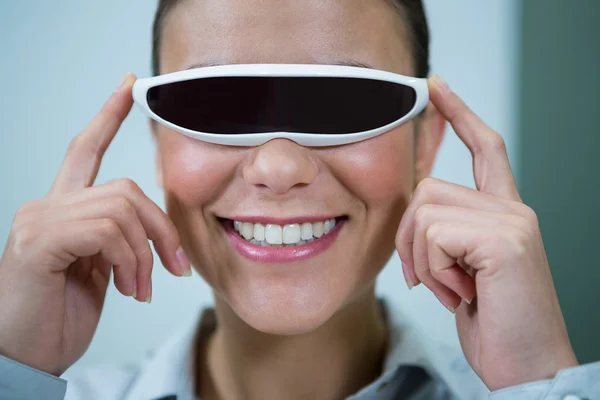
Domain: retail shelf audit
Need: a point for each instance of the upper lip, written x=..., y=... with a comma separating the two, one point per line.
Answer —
x=282, y=221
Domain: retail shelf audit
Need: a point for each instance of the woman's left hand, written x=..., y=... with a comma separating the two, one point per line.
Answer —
x=484, y=247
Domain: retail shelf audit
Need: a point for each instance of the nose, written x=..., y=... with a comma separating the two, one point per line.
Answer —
x=280, y=165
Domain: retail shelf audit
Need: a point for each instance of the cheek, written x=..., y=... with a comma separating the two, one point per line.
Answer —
x=193, y=171
x=379, y=171
x=194, y=174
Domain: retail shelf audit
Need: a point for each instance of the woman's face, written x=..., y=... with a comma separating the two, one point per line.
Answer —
x=366, y=186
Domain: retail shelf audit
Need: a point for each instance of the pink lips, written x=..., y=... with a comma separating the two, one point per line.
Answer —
x=285, y=254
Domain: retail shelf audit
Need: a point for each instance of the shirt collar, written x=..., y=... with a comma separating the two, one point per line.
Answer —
x=409, y=346
x=170, y=370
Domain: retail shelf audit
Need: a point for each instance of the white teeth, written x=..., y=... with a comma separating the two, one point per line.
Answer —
x=289, y=235
x=247, y=230
x=317, y=229
x=259, y=232
x=306, y=231
x=326, y=227
x=273, y=234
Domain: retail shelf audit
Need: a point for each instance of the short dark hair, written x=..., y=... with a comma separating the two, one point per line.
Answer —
x=412, y=11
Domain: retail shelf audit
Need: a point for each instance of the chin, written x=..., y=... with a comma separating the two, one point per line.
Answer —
x=281, y=309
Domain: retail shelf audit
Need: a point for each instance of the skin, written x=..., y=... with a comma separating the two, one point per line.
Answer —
x=309, y=329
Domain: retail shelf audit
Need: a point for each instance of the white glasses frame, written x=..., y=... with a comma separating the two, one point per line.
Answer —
x=141, y=87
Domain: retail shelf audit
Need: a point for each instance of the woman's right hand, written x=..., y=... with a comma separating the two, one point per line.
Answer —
x=61, y=249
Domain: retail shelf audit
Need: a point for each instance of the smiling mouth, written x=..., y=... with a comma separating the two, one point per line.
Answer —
x=288, y=235
x=282, y=243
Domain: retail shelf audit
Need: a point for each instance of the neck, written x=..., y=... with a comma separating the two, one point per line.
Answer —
x=331, y=362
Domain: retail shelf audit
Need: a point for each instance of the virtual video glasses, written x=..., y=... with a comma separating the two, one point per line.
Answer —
x=311, y=104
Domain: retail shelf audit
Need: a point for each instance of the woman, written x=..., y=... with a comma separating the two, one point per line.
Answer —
x=308, y=327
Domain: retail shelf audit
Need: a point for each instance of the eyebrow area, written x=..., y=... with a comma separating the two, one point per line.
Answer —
x=348, y=63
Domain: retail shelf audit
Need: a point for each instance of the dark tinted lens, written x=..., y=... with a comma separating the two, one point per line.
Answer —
x=326, y=105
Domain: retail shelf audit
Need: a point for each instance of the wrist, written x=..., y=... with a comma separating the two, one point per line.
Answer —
x=544, y=368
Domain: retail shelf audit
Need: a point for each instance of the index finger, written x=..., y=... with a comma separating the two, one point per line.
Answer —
x=82, y=161
x=491, y=167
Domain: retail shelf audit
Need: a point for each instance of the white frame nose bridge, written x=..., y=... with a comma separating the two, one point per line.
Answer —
x=141, y=87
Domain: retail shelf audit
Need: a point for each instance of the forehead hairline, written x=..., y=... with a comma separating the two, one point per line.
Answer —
x=348, y=63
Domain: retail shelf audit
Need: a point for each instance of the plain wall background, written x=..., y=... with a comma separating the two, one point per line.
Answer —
x=560, y=144
x=61, y=60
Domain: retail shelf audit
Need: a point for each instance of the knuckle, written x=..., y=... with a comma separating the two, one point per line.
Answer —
x=128, y=186
x=131, y=260
x=495, y=142
x=122, y=207
x=75, y=144
x=524, y=223
x=23, y=210
x=521, y=243
x=79, y=144
x=423, y=271
x=145, y=258
x=519, y=223
x=436, y=271
x=432, y=234
x=422, y=214
x=518, y=241
x=168, y=232
x=526, y=228
x=27, y=209
x=111, y=112
x=108, y=229
x=24, y=238
x=425, y=187
x=530, y=215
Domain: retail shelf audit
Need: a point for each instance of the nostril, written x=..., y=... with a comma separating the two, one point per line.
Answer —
x=280, y=165
x=301, y=185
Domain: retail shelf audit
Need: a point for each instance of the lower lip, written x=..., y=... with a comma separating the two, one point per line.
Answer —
x=283, y=254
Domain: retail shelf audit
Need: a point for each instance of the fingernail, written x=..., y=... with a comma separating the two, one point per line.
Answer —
x=408, y=281
x=468, y=301
x=149, y=297
x=451, y=309
x=441, y=83
x=184, y=263
x=123, y=80
x=134, y=289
